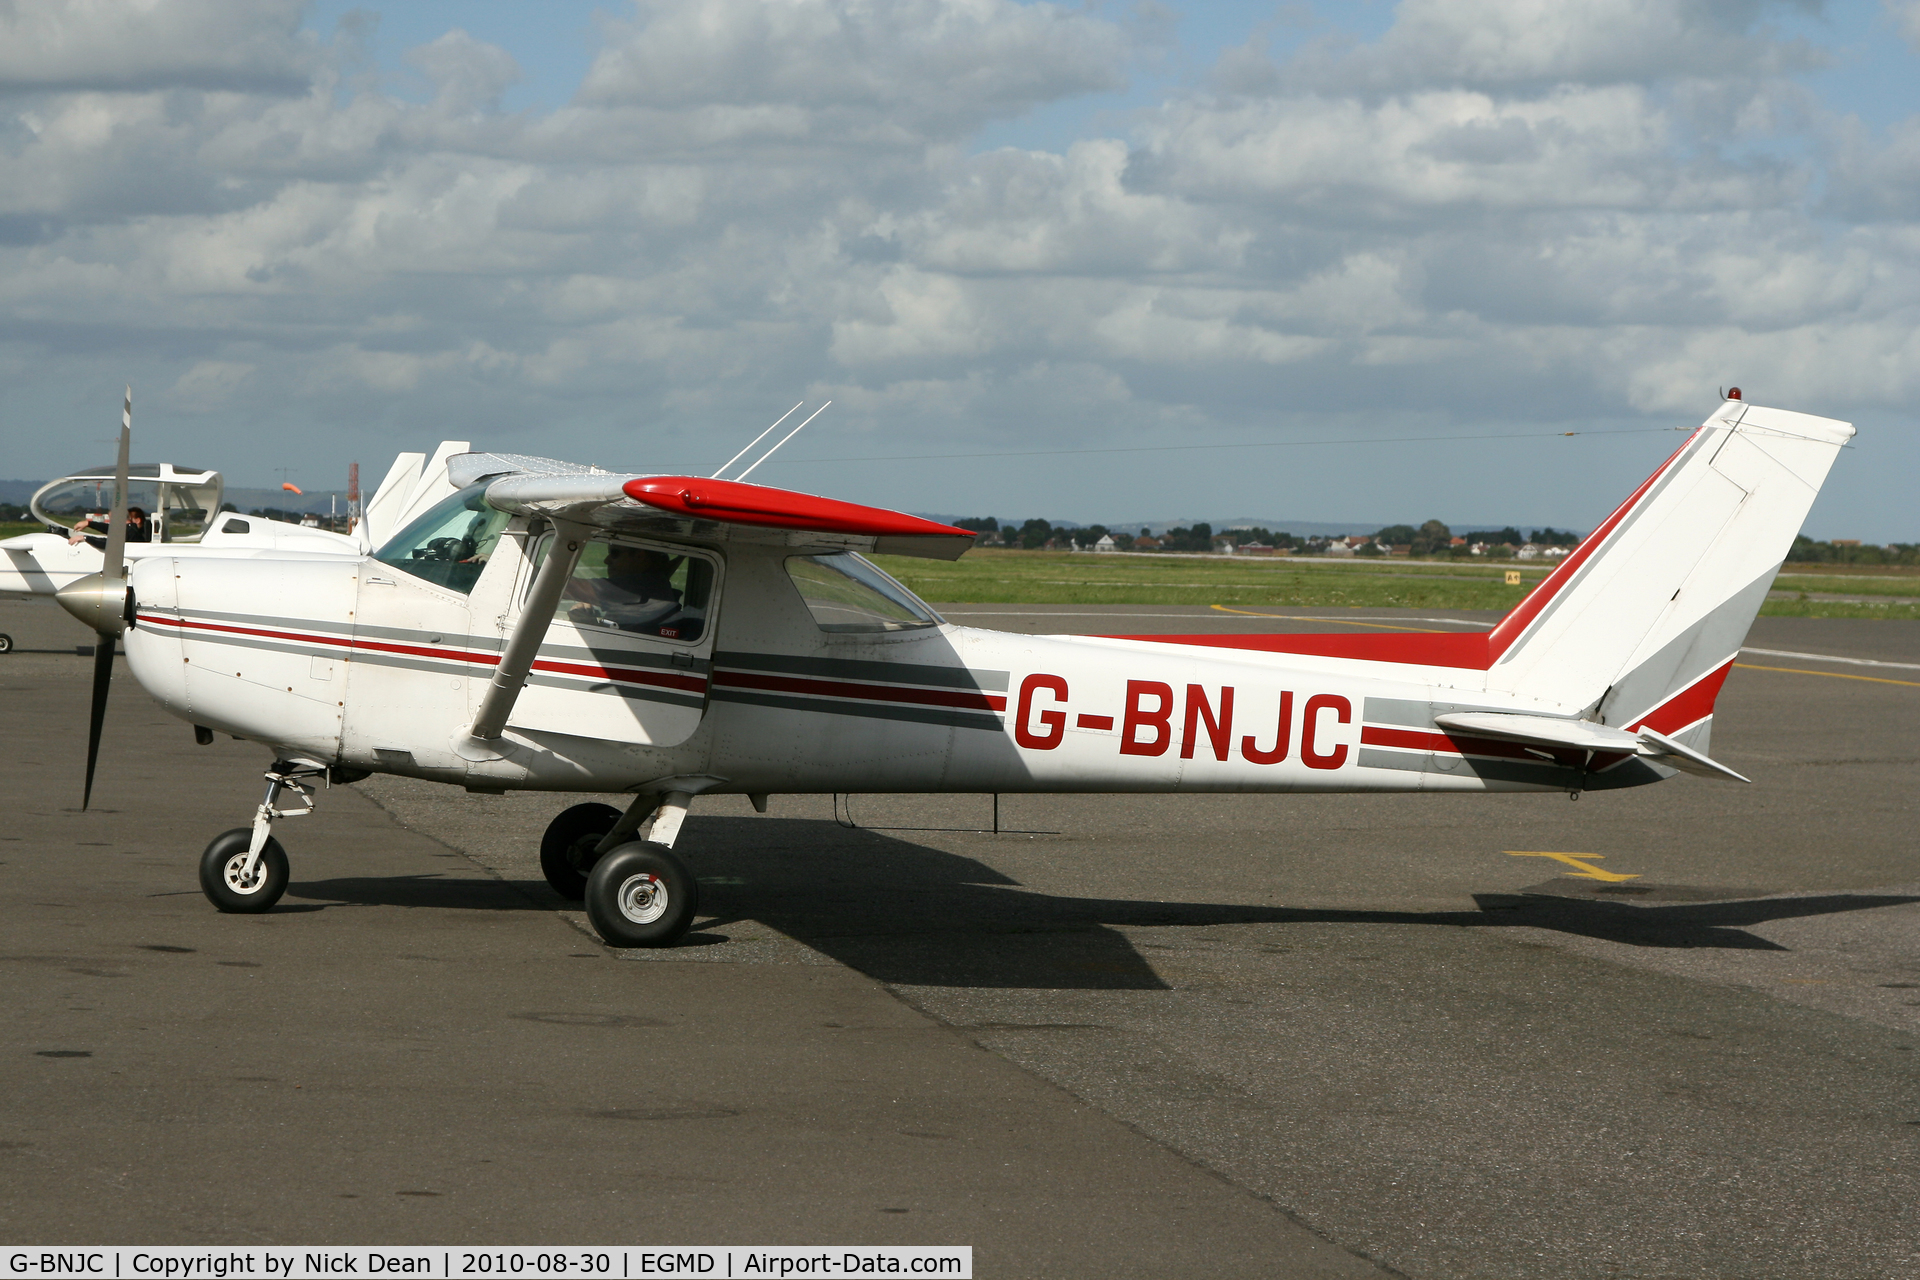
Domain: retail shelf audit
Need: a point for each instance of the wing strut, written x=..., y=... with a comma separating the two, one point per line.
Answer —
x=516, y=660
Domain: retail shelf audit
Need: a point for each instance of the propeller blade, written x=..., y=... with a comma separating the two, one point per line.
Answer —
x=102, y=678
x=110, y=571
x=117, y=522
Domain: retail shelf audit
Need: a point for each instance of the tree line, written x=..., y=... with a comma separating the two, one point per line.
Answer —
x=1433, y=538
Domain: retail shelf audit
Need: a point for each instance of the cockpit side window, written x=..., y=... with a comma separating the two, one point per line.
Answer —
x=451, y=543
x=620, y=586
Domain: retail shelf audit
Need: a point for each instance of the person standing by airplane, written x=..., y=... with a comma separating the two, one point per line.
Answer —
x=95, y=528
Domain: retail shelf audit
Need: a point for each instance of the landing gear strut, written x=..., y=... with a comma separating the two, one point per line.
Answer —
x=245, y=870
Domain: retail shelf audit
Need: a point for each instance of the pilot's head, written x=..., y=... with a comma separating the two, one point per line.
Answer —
x=637, y=562
x=136, y=515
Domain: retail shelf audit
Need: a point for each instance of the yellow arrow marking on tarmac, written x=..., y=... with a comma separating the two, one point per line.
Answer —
x=1585, y=872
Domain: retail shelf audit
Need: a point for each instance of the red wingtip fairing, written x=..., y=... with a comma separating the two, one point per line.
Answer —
x=756, y=504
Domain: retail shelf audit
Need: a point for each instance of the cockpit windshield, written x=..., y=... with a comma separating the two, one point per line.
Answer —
x=451, y=543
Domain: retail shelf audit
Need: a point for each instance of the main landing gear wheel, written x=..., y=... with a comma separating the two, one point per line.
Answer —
x=223, y=878
x=641, y=895
x=6, y=643
x=566, y=851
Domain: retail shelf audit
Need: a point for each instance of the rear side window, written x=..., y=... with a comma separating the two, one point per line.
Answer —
x=847, y=594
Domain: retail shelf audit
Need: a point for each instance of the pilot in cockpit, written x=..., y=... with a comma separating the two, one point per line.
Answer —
x=636, y=595
x=93, y=529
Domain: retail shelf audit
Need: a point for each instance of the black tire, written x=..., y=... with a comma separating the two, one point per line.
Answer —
x=223, y=859
x=6, y=643
x=641, y=895
x=566, y=851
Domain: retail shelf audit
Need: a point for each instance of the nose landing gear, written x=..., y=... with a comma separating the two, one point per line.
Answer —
x=245, y=870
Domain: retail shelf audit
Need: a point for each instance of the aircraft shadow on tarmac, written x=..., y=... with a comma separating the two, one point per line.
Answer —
x=904, y=913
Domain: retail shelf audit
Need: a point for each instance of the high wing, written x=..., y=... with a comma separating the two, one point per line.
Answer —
x=694, y=508
x=576, y=499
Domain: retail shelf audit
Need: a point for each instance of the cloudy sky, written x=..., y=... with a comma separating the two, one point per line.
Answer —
x=1383, y=254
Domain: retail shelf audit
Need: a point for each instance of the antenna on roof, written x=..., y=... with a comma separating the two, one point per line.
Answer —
x=756, y=440
x=783, y=439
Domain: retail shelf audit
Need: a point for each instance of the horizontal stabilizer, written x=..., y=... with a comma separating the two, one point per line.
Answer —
x=1542, y=731
x=1585, y=735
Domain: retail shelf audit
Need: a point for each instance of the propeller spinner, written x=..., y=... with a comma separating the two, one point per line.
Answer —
x=103, y=601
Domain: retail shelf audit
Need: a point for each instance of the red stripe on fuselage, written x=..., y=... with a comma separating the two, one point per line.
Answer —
x=1421, y=648
x=864, y=692
x=664, y=680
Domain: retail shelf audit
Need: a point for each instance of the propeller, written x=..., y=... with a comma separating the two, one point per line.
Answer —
x=103, y=600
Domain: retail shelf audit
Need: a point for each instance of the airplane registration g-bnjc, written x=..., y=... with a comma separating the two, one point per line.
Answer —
x=553, y=627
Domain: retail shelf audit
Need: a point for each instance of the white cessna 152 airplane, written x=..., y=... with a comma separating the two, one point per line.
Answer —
x=553, y=627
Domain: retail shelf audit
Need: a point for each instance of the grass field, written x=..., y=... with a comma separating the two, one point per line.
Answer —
x=1037, y=577
x=14, y=528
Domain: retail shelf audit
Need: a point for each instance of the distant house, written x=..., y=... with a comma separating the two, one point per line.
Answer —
x=1106, y=543
x=1527, y=551
x=1458, y=542
x=1340, y=547
x=1146, y=544
x=1400, y=549
x=1255, y=549
x=1554, y=553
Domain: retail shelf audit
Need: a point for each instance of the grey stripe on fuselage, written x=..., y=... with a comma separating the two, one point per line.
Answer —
x=632, y=692
x=1685, y=659
x=867, y=669
x=869, y=711
x=489, y=645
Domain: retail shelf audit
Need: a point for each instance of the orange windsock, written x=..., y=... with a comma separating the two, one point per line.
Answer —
x=291, y=488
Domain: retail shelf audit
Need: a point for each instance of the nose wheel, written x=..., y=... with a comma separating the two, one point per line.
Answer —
x=244, y=871
x=237, y=882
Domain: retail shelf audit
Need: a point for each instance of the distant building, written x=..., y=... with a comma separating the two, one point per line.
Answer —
x=1527, y=551
x=1106, y=543
x=1340, y=547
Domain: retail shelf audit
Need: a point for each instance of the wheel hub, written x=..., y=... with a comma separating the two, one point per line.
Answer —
x=236, y=874
x=643, y=898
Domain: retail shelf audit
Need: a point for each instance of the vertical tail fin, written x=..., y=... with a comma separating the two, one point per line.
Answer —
x=1640, y=624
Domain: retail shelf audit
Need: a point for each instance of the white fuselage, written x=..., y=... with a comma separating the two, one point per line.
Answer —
x=350, y=661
